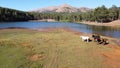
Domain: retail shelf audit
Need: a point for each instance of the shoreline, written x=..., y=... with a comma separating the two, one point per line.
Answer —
x=43, y=20
x=115, y=23
x=50, y=30
x=112, y=39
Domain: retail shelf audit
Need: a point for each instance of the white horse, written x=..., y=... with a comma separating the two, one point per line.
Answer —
x=85, y=38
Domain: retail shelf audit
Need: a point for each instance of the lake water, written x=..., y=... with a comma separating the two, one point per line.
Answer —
x=102, y=30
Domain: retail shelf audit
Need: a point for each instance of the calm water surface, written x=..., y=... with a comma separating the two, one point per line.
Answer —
x=102, y=30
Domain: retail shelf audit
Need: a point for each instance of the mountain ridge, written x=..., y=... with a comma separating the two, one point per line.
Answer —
x=61, y=8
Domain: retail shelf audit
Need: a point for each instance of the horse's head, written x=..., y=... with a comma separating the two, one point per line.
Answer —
x=93, y=35
x=81, y=36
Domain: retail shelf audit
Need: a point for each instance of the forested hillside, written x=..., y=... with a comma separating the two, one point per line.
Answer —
x=7, y=14
x=99, y=14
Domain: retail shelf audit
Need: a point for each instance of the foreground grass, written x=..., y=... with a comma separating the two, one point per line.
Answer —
x=22, y=48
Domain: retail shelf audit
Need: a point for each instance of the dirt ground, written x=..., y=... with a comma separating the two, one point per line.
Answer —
x=113, y=58
x=115, y=23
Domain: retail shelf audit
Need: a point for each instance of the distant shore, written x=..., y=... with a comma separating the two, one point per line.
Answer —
x=45, y=20
x=115, y=23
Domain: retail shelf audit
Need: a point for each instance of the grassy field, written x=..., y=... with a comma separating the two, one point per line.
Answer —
x=23, y=48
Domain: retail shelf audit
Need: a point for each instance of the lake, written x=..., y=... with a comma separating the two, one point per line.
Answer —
x=102, y=30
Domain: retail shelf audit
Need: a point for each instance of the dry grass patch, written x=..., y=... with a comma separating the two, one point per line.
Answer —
x=36, y=57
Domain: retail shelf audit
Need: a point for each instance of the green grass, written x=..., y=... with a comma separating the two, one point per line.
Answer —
x=59, y=49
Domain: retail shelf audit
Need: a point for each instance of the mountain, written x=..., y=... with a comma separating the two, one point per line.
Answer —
x=62, y=8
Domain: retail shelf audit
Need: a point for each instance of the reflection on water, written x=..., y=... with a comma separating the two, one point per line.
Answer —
x=102, y=30
x=105, y=30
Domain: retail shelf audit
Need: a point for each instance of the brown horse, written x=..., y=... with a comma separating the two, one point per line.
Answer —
x=100, y=40
x=96, y=38
x=104, y=41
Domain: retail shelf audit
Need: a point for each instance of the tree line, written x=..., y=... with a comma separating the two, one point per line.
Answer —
x=99, y=14
x=7, y=14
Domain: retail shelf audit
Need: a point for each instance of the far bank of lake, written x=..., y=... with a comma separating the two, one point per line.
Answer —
x=115, y=23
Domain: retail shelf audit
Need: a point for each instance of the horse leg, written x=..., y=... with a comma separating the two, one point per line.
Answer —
x=99, y=41
x=87, y=40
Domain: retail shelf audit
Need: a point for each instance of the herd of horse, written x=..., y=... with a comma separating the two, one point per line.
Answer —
x=96, y=38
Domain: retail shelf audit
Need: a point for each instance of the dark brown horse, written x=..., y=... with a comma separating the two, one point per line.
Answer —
x=96, y=38
x=104, y=41
x=100, y=40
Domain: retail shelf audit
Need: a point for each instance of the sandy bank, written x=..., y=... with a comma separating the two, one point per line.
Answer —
x=112, y=24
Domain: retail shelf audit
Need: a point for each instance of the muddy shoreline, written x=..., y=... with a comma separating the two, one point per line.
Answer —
x=115, y=40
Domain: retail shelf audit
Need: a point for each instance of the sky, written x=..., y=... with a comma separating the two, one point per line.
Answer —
x=27, y=5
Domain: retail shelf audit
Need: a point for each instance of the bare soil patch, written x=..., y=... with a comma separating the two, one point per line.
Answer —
x=25, y=44
x=48, y=30
x=36, y=57
x=112, y=58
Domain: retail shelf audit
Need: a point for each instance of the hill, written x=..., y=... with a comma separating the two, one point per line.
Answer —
x=8, y=14
x=62, y=8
